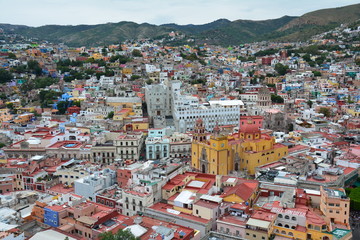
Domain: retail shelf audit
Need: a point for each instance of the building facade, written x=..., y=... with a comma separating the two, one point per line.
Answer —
x=243, y=151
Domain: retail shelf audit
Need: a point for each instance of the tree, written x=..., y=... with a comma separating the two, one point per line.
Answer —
x=43, y=82
x=357, y=61
x=19, y=69
x=276, y=99
x=5, y=76
x=77, y=103
x=134, y=77
x=136, y=53
x=120, y=235
x=281, y=69
x=104, y=51
x=317, y=73
x=307, y=57
x=110, y=115
x=310, y=103
x=349, y=99
x=291, y=127
x=62, y=106
x=45, y=95
x=34, y=66
x=325, y=111
x=10, y=106
x=354, y=195
x=253, y=81
x=12, y=56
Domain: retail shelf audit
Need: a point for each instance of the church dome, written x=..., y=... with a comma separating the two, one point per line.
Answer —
x=249, y=128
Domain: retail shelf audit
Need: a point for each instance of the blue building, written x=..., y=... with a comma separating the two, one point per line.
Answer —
x=158, y=143
x=51, y=217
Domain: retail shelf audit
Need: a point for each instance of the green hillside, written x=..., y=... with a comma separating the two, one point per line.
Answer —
x=221, y=32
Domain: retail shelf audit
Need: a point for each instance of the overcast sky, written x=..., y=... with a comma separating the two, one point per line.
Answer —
x=74, y=12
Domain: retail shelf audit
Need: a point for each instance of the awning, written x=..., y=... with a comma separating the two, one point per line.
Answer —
x=258, y=223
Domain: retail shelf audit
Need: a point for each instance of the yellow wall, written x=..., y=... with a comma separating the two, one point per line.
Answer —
x=23, y=118
x=318, y=235
x=353, y=113
x=218, y=156
x=123, y=104
x=5, y=115
x=252, y=153
x=184, y=210
x=127, y=71
x=202, y=212
x=138, y=125
x=296, y=234
x=251, y=160
x=233, y=198
x=97, y=56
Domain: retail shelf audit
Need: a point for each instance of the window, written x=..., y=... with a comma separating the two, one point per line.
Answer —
x=287, y=217
x=293, y=218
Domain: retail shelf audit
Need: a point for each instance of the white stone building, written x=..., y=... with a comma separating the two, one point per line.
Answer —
x=129, y=145
x=90, y=185
x=223, y=112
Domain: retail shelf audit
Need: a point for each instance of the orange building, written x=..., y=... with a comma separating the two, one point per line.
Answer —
x=37, y=212
x=335, y=205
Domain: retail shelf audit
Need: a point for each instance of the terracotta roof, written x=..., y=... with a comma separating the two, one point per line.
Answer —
x=243, y=190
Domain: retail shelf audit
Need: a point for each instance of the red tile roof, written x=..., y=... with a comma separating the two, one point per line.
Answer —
x=243, y=190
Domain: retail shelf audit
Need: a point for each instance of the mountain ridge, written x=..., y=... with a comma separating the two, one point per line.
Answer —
x=221, y=31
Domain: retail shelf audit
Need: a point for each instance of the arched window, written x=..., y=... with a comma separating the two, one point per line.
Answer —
x=283, y=232
x=280, y=215
x=280, y=224
x=293, y=218
x=287, y=217
x=291, y=234
x=287, y=226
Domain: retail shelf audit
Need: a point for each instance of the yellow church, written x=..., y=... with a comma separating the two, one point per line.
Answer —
x=243, y=151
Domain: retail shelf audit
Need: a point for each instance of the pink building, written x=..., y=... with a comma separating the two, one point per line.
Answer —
x=251, y=120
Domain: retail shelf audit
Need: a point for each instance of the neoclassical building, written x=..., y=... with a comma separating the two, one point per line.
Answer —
x=264, y=98
x=243, y=151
